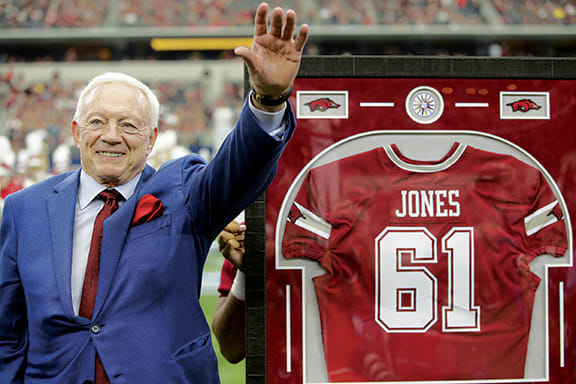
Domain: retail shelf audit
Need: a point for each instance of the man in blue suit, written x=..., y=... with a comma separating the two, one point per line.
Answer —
x=88, y=297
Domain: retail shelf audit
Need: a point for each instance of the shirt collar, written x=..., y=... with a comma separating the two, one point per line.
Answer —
x=90, y=188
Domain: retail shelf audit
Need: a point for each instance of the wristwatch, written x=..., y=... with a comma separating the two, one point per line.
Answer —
x=271, y=101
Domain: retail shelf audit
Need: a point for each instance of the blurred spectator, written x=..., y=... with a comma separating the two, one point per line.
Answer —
x=166, y=148
x=429, y=12
x=79, y=13
x=52, y=13
x=153, y=13
x=8, y=183
x=179, y=13
x=23, y=13
x=537, y=12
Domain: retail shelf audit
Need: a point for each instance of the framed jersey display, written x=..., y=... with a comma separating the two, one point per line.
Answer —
x=419, y=228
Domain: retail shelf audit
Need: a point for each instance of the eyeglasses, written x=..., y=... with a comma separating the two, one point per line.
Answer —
x=127, y=126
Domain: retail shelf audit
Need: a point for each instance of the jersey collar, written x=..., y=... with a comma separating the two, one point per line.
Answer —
x=420, y=166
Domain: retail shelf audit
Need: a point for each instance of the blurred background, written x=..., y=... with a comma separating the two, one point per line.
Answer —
x=182, y=49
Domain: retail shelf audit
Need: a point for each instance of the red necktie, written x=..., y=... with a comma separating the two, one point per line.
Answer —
x=90, y=287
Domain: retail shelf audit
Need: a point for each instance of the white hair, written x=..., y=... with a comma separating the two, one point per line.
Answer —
x=117, y=77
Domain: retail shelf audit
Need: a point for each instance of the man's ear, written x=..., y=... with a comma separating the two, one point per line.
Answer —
x=153, y=137
x=76, y=133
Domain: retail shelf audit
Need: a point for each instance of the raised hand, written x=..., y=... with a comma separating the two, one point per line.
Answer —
x=274, y=58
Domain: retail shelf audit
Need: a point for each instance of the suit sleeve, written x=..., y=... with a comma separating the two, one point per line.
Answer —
x=240, y=172
x=13, y=323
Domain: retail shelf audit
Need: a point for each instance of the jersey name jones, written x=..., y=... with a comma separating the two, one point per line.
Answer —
x=429, y=203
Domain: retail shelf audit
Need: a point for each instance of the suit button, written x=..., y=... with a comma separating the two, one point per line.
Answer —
x=95, y=329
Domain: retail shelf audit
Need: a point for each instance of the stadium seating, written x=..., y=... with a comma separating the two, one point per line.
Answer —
x=175, y=13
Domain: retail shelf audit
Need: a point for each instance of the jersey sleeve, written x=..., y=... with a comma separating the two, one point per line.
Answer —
x=307, y=229
x=524, y=197
x=544, y=224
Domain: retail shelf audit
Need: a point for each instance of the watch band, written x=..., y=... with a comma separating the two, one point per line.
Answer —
x=272, y=102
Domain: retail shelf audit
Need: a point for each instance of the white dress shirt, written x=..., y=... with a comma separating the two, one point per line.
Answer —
x=87, y=206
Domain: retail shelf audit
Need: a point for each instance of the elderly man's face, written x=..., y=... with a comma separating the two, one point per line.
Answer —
x=114, y=134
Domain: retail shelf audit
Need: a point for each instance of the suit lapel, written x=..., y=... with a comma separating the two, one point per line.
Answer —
x=116, y=229
x=61, y=208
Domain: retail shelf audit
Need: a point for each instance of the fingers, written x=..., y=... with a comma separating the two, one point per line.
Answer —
x=261, y=19
x=276, y=23
x=224, y=238
x=277, y=27
x=234, y=252
x=301, y=38
x=233, y=232
x=290, y=25
x=235, y=227
x=233, y=247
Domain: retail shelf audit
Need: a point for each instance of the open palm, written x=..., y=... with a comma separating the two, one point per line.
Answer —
x=274, y=58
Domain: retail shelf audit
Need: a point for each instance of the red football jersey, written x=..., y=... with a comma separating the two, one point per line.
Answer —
x=426, y=263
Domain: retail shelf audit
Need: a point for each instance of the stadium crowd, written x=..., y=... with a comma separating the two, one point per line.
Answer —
x=52, y=13
x=534, y=12
x=167, y=13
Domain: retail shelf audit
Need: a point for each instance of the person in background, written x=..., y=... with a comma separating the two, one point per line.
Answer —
x=228, y=322
x=8, y=184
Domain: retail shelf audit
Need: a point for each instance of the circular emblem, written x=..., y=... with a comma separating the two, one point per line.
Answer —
x=424, y=105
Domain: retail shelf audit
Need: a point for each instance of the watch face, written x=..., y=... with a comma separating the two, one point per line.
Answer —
x=424, y=105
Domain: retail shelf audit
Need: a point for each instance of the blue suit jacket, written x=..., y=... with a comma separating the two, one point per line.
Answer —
x=151, y=325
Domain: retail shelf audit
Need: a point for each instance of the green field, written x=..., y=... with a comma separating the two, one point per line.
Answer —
x=229, y=373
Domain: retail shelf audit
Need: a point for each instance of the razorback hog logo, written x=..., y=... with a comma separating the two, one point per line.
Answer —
x=294, y=214
x=523, y=105
x=322, y=104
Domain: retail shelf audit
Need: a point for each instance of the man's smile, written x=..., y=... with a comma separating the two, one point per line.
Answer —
x=109, y=154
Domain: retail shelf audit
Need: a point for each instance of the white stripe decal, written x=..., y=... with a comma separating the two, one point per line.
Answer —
x=288, y=332
x=471, y=105
x=376, y=104
x=561, y=293
x=310, y=222
x=540, y=219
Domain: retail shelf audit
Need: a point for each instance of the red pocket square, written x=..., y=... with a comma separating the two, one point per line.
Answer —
x=148, y=209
